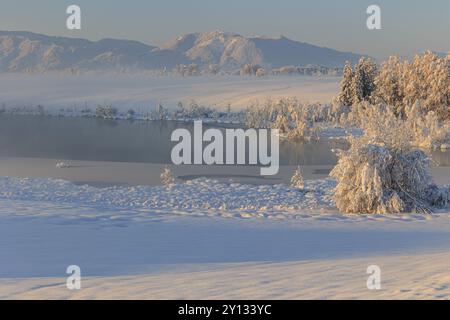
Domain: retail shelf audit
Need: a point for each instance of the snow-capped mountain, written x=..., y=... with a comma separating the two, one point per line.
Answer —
x=217, y=47
x=26, y=51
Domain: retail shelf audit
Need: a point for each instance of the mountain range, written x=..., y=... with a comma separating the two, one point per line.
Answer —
x=25, y=52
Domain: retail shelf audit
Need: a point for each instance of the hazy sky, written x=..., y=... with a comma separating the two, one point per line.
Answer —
x=409, y=26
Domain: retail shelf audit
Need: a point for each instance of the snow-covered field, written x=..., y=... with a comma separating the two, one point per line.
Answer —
x=199, y=197
x=250, y=241
x=144, y=93
x=416, y=276
x=211, y=257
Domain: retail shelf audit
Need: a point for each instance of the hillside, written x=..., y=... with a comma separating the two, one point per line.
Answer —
x=26, y=52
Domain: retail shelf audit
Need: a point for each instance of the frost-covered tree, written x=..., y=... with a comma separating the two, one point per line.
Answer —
x=167, y=178
x=389, y=85
x=193, y=70
x=297, y=181
x=426, y=80
x=281, y=123
x=369, y=71
x=357, y=85
x=246, y=70
x=261, y=72
x=303, y=130
x=213, y=69
x=160, y=113
x=363, y=79
x=345, y=96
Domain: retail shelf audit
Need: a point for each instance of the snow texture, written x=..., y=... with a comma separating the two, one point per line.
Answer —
x=198, y=197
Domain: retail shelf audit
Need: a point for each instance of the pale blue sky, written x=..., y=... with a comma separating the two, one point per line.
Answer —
x=409, y=26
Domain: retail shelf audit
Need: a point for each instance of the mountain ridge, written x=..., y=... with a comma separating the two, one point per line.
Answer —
x=22, y=51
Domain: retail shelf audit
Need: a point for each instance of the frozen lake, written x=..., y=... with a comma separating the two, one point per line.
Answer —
x=135, y=152
x=120, y=141
x=131, y=141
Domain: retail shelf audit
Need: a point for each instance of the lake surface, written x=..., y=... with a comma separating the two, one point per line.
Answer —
x=130, y=141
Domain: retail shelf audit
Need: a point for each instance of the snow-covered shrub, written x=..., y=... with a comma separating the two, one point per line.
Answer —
x=249, y=70
x=106, y=112
x=296, y=121
x=338, y=113
x=187, y=70
x=261, y=72
x=282, y=124
x=382, y=172
x=62, y=165
x=86, y=112
x=194, y=111
x=297, y=181
x=428, y=131
x=308, y=70
x=167, y=178
x=424, y=130
x=303, y=130
x=380, y=179
x=130, y=114
x=160, y=113
x=213, y=69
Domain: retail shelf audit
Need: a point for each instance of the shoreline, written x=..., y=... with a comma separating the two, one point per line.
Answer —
x=107, y=173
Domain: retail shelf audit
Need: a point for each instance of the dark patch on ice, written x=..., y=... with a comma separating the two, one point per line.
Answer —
x=37, y=287
x=322, y=171
x=100, y=184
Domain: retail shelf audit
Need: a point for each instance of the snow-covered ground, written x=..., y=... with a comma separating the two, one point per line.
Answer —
x=144, y=93
x=210, y=257
x=250, y=241
x=197, y=197
x=414, y=276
